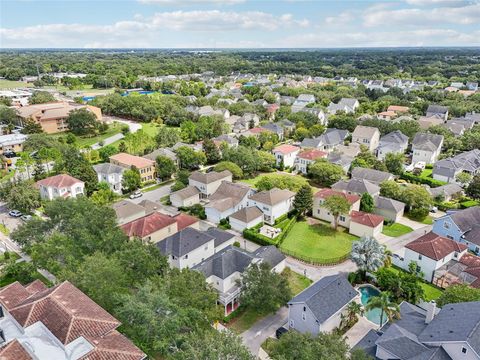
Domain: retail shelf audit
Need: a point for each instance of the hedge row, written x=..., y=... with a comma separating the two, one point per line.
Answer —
x=421, y=180
x=253, y=234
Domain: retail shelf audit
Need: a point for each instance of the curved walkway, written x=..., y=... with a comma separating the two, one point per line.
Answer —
x=132, y=125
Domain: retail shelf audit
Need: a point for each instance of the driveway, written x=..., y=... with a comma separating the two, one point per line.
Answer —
x=154, y=195
x=263, y=329
x=395, y=244
x=132, y=125
x=10, y=222
x=315, y=273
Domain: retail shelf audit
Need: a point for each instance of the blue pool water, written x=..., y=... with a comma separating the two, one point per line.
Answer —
x=367, y=292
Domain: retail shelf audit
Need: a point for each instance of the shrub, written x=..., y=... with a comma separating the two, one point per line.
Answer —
x=236, y=244
x=421, y=180
x=468, y=203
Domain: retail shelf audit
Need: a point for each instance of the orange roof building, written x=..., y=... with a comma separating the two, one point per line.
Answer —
x=146, y=167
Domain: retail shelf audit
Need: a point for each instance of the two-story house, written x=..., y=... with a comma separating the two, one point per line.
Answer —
x=367, y=136
x=357, y=187
x=272, y=203
x=437, y=111
x=228, y=199
x=322, y=213
x=145, y=167
x=308, y=157
x=319, y=308
x=328, y=141
x=448, y=169
x=62, y=185
x=371, y=175
x=286, y=154
x=462, y=226
x=111, y=174
x=347, y=105
x=395, y=142
x=208, y=183
x=426, y=148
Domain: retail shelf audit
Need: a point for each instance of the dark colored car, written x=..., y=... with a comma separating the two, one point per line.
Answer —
x=9, y=154
x=280, y=331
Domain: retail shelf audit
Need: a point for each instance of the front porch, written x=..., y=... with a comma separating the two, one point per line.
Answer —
x=230, y=300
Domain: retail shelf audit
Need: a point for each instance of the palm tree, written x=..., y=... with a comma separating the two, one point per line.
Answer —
x=368, y=254
x=353, y=309
x=387, y=307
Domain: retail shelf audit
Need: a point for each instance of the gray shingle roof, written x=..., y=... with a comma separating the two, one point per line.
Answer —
x=427, y=141
x=465, y=219
x=437, y=109
x=270, y=254
x=207, y=178
x=187, y=192
x=357, y=186
x=388, y=204
x=247, y=214
x=272, y=197
x=183, y=242
x=225, y=263
x=220, y=236
x=228, y=195
x=327, y=296
x=445, y=190
x=107, y=168
x=374, y=176
x=395, y=137
x=161, y=152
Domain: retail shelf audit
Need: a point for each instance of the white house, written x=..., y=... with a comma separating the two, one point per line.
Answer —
x=111, y=174
x=208, y=183
x=365, y=224
x=367, y=136
x=319, y=308
x=61, y=185
x=308, y=157
x=272, y=203
x=430, y=252
x=185, y=197
x=322, y=213
x=245, y=218
x=287, y=154
x=228, y=199
x=426, y=148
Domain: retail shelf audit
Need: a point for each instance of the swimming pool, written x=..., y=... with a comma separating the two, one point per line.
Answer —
x=368, y=291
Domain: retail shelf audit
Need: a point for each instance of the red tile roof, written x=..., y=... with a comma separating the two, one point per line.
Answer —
x=59, y=181
x=132, y=160
x=312, y=154
x=69, y=314
x=367, y=219
x=434, y=246
x=257, y=130
x=473, y=267
x=286, y=149
x=147, y=225
x=184, y=220
x=14, y=351
x=325, y=193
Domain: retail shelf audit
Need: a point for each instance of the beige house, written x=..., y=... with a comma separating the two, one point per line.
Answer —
x=127, y=211
x=146, y=167
x=186, y=197
x=52, y=116
x=366, y=135
x=208, y=183
x=322, y=213
x=365, y=224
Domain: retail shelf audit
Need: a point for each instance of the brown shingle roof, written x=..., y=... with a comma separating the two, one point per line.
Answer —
x=272, y=197
x=14, y=351
x=363, y=218
x=147, y=225
x=113, y=346
x=434, y=246
x=59, y=181
x=187, y=192
x=228, y=195
x=325, y=193
x=247, y=214
x=132, y=160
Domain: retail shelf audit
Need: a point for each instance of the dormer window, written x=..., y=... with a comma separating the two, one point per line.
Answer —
x=446, y=225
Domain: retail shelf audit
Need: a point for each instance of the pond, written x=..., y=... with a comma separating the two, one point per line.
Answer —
x=368, y=291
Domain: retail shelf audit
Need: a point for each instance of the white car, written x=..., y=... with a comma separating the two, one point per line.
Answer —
x=136, y=194
x=14, y=213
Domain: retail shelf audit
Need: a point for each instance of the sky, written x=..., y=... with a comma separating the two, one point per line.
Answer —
x=238, y=23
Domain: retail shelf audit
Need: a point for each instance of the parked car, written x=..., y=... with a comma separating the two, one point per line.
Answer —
x=136, y=194
x=14, y=213
x=280, y=331
x=433, y=209
x=26, y=217
x=9, y=154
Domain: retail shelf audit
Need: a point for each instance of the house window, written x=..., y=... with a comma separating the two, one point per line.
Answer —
x=292, y=323
x=342, y=218
x=464, y=350
x=186, y=256
x=446, y=225
x=304, y=308
x=318, y=211
x=419, y=257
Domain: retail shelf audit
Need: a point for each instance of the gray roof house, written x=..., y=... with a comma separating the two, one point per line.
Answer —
x=388, y=208
x=374, y=176
x=302, y=101
x=330, y=139
x=223, y=269
x=357, y=186
x=185, y=197
x=426, y=147
x=446, y=192
x=394, y=142
x=274, y=128
x=340, y=159
x=453, y=333
x=437, y=111
x=367, y=136
x=111, y=174
x=127, y=211
x=347, y=105
x=227, y=199
x=319, y=307
x=246, y=218
x=448, y=169
x=162, y=152
x=190, y=246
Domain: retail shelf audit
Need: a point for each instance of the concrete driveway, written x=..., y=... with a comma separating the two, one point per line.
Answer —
x=132, y=125
x=10, y=222
x=154, y=195
x=395, y=244
x=315, y=273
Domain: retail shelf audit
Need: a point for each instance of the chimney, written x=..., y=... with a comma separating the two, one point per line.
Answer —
x=431, y=309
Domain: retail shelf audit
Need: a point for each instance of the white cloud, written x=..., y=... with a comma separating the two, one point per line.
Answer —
x=191, y=2
x=465, y=15
x=439, y=3
x=343, y=18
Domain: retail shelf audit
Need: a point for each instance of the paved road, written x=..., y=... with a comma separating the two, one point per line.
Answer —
x=315, y=273
x=154, y=195
x=133, y=126
x=261, y=330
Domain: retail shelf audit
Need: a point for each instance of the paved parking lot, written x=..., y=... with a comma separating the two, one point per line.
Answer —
x=5, y=219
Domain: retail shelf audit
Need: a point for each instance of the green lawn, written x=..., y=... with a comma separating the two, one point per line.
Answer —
x=245, y=320
x=318, y=243
x=296, y=282
x=113, y=129
x=431, y=291
x=396, y=229
x=150, y=129
x=427, y=221
x=9, y=84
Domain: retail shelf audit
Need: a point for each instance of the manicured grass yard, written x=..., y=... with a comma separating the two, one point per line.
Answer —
x=296, y=282
x=396, y=229
x=9, y=84
x=150, y=129
x=431, y=291
x=427, y=221
x=318, y=243
x=113, y=129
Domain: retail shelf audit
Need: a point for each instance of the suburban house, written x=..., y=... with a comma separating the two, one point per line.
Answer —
x=392, y=112
x=437, y=111
x=426, y=148
x=367, y=136
x=156, y=226
x=450, y=333
x=229, y=198
x=328, y=141
x=308, y=157
x=427, y=121
x=274, y=128
x=286, y=154
x=302, y=101
x=374, y=176
x=463, y=270
x=185, y=197
x=190, y=246
x=388, y=208
x=394, y=142
x=446, y=192
x=163, y=152
x=319, y=308
x=246, y=218
x=340, y=159
x=357, y=187
x=58, y=323
x=12, y=142
x=462, y=226
x=208, y=183
x=273, y=203
x=224, y=268
x=231, y=141
x=347, y=105
x=127, y=211
x=111, y=174
x=52, y=116
x=146, y=167
x=62, y=185
x=322, y=213
x=448, y=169
x=365, y=224
x=430, y=252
